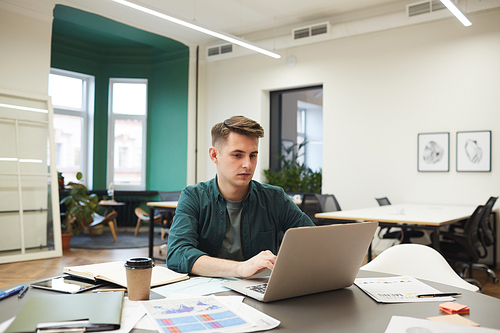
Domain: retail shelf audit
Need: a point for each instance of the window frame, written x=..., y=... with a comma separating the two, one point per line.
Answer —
x=111, y=135
x=87, y=113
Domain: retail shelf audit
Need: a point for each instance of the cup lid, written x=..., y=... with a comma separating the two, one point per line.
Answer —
x=139, y=262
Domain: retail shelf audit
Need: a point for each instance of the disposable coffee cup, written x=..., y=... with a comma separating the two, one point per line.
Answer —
x=139, y=271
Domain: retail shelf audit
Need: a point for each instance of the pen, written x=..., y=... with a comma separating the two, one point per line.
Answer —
x=438, y=295
x=10, y=292
x=24, y=291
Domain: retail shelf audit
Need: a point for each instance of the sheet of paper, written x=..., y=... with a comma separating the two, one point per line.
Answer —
x=398, y=289
x=200, y=314
x=400, y=324
x=5, y=324
x=199, y=286
x=261, y=320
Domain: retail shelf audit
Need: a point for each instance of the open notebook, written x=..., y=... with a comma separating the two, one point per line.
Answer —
x=114, y=272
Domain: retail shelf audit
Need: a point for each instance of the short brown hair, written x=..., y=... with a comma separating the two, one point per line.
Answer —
x=238, y=124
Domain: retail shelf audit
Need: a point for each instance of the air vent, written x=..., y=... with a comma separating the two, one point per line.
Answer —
x=310, y=31
x=219, y=50
x=226, y=48
x=425, y=7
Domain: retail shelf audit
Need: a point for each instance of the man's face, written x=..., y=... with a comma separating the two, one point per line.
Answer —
x=236, y=160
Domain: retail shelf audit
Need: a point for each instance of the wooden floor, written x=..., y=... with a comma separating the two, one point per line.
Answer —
x=22, y=272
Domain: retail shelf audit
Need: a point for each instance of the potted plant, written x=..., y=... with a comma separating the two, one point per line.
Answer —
x=294, y=176
x=80, y=205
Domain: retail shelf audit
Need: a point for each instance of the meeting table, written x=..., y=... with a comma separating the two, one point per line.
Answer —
x=408, y=215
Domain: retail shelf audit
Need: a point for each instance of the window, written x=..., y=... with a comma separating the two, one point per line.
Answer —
x=127, y=133
x=72, y=99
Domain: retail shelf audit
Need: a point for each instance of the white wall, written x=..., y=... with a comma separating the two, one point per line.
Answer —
x=380, y=91
x=25, y=47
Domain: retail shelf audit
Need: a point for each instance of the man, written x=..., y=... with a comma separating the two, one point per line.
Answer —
x=229, y=226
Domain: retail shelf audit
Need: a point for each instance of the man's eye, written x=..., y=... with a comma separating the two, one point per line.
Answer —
x=236, y=155
x=253, y=156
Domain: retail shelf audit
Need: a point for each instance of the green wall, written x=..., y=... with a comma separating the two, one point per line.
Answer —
x=90, y=44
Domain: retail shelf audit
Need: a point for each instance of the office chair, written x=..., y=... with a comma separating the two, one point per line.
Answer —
x=464, y=248
x=486, y=235
x=313, y=203
x=419, y=261
x=404, y=235
x=487, y=238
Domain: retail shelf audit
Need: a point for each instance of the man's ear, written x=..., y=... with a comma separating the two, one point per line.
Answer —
x=213, y=153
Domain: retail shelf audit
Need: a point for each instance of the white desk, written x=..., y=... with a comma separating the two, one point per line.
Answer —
x=416, y=216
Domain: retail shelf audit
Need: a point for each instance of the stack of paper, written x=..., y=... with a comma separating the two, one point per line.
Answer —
x=398, y=289
x=452, y=308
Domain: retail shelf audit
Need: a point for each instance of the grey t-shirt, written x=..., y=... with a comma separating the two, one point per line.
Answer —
x=231, y=245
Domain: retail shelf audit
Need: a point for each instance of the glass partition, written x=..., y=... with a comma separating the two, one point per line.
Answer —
x=29, y=209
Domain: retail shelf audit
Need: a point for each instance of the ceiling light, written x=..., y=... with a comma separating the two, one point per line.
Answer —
x=231, y=39
x=455, y=11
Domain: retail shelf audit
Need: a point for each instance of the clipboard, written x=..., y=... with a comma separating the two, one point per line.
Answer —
x=69, y=313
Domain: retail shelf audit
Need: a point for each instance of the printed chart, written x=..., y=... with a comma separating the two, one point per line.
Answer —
x=201, y=314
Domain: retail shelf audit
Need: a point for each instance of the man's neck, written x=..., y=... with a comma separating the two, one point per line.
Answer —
x=233, y=193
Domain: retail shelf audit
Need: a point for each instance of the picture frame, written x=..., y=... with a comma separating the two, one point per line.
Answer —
x=433, y=152
x=474, y=151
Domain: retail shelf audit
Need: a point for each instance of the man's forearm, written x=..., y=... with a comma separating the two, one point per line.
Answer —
x=210, y=266
x=216, y=267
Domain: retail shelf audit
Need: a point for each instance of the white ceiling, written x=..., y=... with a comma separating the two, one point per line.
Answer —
x=253, y=20
x=266, y=23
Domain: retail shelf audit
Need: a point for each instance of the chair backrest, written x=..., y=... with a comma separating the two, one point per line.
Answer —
x=313, y=203
x=419, y=261
x=140, y=213
x=486, y=234
x=328, y=202
x=471, y=233
x=383, y=201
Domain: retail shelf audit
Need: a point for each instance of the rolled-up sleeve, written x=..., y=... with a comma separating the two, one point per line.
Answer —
x=182, y=249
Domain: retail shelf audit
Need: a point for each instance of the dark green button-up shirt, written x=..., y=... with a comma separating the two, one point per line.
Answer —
x=200, y=222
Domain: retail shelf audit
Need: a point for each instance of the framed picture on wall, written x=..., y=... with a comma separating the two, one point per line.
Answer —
x=434, y=152
x=474, y=151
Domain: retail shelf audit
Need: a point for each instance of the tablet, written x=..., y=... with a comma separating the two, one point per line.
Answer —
x=66, y=284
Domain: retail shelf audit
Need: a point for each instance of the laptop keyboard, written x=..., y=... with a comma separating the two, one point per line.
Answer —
x=259, y=288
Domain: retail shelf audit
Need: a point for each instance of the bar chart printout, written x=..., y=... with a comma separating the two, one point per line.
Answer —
x=200, y=314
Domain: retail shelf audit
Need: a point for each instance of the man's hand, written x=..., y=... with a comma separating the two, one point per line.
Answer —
x=257, y=264
x=209, y=266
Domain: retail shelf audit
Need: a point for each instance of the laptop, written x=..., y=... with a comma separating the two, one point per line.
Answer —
x=312, y=260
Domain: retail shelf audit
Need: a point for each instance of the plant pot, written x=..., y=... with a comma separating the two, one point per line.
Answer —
x=66, y=238
x=96, y=230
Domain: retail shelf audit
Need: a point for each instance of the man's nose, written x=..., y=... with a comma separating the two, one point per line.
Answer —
x=247, y=163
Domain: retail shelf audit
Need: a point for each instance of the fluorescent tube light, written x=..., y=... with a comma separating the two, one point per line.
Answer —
x=225, y=37
x=25, y=108
x=455, y=11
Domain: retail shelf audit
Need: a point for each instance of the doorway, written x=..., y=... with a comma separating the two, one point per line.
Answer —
x=297, y=126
